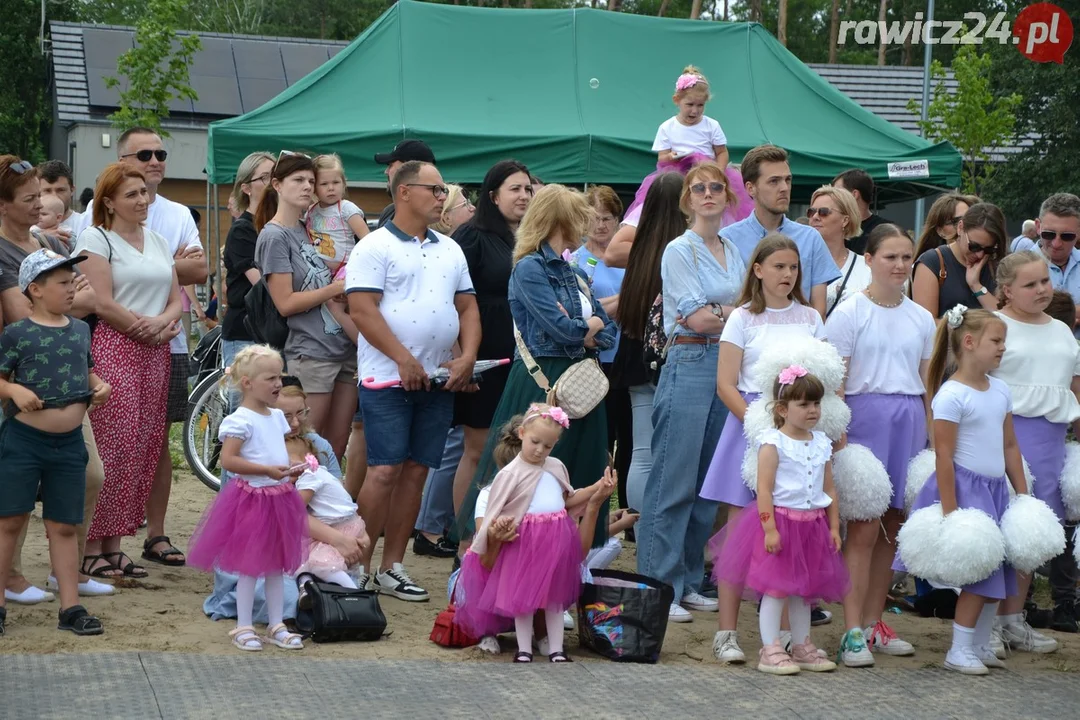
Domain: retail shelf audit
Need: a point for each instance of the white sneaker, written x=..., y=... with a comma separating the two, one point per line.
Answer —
x=697, y=601
x=1021, y=636
x=396, y=582
x=677, y=613
x=853, y=650
x=882, y=639
x=30, y=596
x=90, y=588
x=725, y=647
x=988, y=657
x=997, y=644
x=567, y=620
x=362, y=578
x=965, y=661
x=489, y=644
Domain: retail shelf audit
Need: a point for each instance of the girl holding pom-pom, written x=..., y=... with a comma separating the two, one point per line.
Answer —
x=885, y=339
x=976, y=449
x=786, y=548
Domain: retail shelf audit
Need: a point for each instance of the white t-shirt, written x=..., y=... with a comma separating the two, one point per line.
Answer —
x=331, y=502
x=754, y=333
x=1039, y=365
x=885, y=345
x=586, y=306
x=482, y=502
x=980, y=415
x=857, y=281
x=800, y=475
x=548, y=498
x=264, y=440
x=419, y=282
x=169, y=219
x=330, y=232
x=141, y=281
x=685, y=139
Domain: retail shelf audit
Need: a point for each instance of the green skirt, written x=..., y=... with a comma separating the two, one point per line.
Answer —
x=582, y=447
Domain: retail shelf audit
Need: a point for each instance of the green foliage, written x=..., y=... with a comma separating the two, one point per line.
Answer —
x=156, y=69
x=971, y=117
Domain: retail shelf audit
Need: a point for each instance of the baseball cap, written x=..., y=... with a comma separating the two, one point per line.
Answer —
x=405, y=151
x=42, y=261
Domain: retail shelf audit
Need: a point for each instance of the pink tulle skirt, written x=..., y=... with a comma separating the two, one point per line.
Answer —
x=251, y=531
x=807, y=565
x=742, y=207
x=541, y=569
x=323, y=559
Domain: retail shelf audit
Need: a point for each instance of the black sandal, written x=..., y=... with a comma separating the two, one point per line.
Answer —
x=99, y=572
x=163, y=556
x=130, y=569
x=559, y=657
x=80, y=622
x=523, y=657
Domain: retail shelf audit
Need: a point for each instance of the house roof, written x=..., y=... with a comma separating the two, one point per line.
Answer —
x=885, y=91
x=232, y=74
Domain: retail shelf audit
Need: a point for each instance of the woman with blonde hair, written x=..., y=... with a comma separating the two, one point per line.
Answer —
x=834, y=213
x=457, y=210
x=560, y=322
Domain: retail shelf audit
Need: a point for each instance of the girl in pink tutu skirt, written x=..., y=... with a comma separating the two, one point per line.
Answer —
x=786, y=548
x=257, y=525
x=539, y=555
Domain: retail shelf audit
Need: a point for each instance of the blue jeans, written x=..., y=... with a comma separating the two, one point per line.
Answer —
x=687, y=419
x=437, y=508
x=641, y=405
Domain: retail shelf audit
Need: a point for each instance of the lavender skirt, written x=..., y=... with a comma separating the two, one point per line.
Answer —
x=991, y=495
x=894, y=428
x=723, y=481
x=1042, y=443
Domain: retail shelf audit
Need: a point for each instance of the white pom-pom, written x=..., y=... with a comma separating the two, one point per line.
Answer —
x=1032, y=533
x=863, y=487
x=749, y=467
x=963, y=548
x=1070, y=481
x=1076, y=545
x=817, y=356
x=919, y=470
x=757, y=420
x=835, y=416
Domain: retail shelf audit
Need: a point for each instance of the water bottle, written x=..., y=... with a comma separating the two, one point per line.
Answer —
x=590, y=268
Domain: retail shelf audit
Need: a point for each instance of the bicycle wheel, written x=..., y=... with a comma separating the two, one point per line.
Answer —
x=208, y=405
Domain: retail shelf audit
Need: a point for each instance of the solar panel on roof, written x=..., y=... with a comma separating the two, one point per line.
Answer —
x=101, y=48
x=301, y=59
x=215, y=58
x=100, y=95
x=259, y=60
x=217, y=95
x=255, y=92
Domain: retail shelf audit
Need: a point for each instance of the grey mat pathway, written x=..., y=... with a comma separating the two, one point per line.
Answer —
x=168, y=685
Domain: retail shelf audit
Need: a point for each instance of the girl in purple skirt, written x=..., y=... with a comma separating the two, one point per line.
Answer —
x=771, y=309
x=539, y=558
x=976, y=449
x=885, y=339
x=1041, y=366
x=257, y=525
x=786, y=548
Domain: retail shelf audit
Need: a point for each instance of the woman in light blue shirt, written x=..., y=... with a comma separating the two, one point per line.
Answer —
x=702, y=275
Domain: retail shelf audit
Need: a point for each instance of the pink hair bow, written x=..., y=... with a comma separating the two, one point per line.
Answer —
x=555, y=414
x=686, y=81
x=312, y=462
x=792, y=372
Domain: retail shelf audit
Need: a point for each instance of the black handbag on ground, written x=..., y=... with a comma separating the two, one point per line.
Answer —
x=333, y=613
x=263, y=320
x=624, y=616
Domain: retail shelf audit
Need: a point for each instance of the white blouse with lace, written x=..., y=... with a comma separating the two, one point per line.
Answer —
x=753, y=333
x=800, y=476
x=1039, y=365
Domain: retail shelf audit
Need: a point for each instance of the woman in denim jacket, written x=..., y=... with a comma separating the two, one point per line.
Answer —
x=561, y=322
x=702, y=275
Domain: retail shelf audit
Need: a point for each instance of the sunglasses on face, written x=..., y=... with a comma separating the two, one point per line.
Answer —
x=955, y=220
x=715, y=188
x=1050, y=236
x=20, y=167
x=145, y=155
x=976, y=248
x=822, y=211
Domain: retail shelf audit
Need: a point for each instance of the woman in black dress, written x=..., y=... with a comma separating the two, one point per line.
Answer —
x=488, y=243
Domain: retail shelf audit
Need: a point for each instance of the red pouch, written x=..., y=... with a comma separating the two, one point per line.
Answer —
x=448, y=634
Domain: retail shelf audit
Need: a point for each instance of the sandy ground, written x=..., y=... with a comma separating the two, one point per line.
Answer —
x=163, y=613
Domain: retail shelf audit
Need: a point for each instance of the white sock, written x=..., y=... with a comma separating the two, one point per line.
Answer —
x=799, y=616
x=985, y=624
x=962, y=637
x=245, y=600
x=553, y=618
x=769, y=619
x=1013, y=619
x=340, y=577
x=275, y=598
x=524, y=630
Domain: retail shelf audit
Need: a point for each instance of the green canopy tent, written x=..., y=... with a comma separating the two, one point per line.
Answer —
x=577, y=95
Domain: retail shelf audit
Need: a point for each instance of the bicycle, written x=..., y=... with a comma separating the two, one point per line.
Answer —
x=208, y=404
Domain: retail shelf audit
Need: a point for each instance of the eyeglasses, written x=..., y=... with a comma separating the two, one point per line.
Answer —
x=264, y=178
x=822, y=211
x=437, y=190
x=20, y=167
x=714, y=187
x=955, y=220
x=1051, y=235
x=145, y=155
x=301, y=416
x=285, y=153
x=463, y=203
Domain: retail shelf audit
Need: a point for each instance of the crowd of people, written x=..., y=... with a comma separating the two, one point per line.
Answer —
x=669, y=307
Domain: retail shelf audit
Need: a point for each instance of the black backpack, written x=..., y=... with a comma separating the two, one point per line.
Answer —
x=263, y=320
x=332, y=613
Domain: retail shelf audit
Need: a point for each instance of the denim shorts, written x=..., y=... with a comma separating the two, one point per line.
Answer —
x=55, y=462
x=402, y=425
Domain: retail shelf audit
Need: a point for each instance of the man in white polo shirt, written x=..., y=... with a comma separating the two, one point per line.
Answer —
x=142, y=147
x=411, y=298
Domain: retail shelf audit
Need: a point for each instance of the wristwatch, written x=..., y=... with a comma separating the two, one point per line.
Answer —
x=981, y=291
x=717, y=310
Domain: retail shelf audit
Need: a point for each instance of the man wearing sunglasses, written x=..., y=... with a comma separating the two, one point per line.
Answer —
x=1058, y=228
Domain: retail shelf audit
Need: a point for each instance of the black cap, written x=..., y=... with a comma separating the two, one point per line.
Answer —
x=405, y=151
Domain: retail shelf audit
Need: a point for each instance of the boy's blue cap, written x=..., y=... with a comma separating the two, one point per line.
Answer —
x=42, y=261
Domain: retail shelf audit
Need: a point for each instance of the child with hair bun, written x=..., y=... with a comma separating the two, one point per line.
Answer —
x=526, y=524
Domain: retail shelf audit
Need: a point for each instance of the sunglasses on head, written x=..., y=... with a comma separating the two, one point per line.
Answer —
x=145, y=155
x=714, y=187
x=285, y=153
x=1050, y=236
x=20, y=167
x=822, y=211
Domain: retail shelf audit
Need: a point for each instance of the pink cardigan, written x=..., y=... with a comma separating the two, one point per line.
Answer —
x=512, y=491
